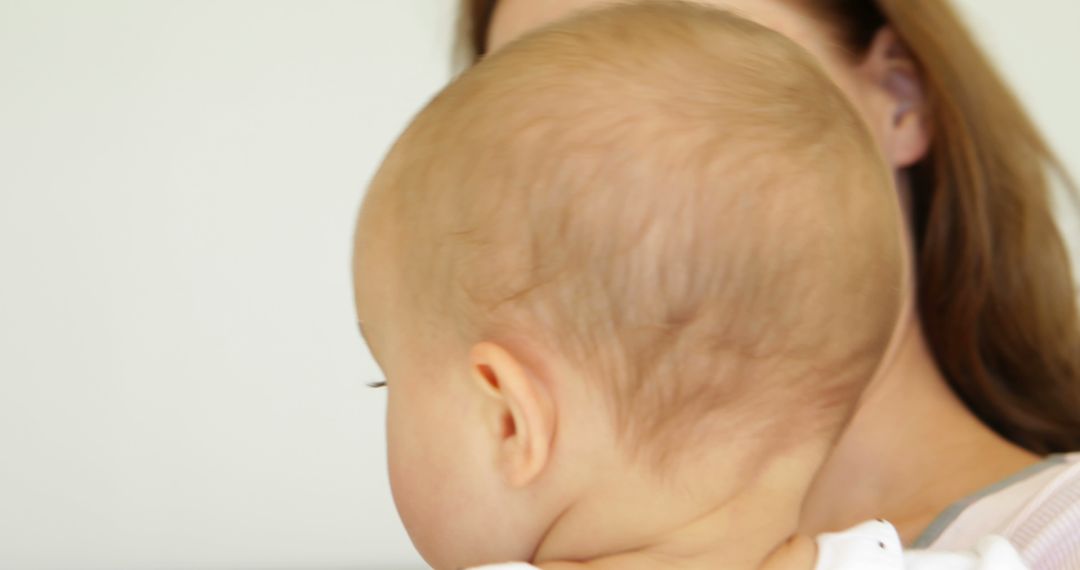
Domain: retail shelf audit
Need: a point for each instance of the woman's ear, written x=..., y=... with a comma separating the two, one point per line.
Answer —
x=898, y=107
x=519, y=410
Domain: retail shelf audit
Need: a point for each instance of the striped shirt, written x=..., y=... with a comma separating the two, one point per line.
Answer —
x=1037, y=510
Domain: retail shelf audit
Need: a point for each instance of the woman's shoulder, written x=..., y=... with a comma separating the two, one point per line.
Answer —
x=1037, y=510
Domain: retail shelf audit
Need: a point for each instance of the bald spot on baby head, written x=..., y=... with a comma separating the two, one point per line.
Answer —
x=674, y=199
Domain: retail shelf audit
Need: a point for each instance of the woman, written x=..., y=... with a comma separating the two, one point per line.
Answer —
x=952, y=444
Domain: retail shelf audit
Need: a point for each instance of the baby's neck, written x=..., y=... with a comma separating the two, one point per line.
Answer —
x=709, y=518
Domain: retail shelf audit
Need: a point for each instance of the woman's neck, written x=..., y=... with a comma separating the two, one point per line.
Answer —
x=911, y=450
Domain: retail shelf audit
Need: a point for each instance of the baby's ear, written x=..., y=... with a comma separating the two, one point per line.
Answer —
x=518, y=409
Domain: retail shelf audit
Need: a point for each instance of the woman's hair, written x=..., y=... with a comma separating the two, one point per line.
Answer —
x=996, y=293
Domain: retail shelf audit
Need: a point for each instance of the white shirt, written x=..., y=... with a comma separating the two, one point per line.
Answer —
x=1037, y=510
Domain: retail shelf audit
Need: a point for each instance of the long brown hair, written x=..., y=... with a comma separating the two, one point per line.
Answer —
x=996, y=293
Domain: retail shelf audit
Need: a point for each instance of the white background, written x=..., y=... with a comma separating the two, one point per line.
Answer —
x=181, y=382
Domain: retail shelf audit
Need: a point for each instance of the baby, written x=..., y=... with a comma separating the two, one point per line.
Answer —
x=627, y=289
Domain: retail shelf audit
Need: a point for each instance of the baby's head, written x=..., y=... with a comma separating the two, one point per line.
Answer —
x=602, y=255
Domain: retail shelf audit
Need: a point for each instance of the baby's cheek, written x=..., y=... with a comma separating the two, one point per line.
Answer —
x=422, y=484
x=445, y=486
x=405, y=460
x=413, y=504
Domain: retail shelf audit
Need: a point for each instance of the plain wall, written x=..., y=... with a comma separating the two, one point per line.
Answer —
x=181, y=380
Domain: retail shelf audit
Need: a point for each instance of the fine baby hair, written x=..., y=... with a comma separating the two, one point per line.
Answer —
x=692, y=210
